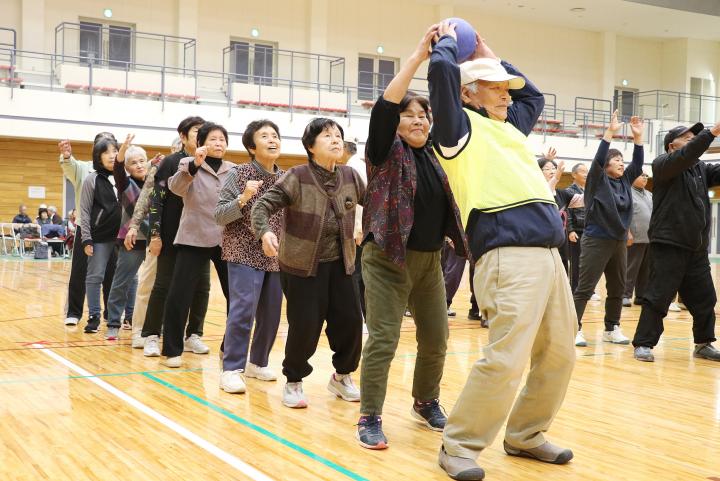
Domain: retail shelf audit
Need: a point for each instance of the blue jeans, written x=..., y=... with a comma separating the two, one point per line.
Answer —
x=124, y=286
x=253, y=294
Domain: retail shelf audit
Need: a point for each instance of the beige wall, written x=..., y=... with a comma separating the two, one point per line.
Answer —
x=639, y=61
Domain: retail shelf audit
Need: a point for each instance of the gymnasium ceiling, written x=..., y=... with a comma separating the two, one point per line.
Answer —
x=634, y=18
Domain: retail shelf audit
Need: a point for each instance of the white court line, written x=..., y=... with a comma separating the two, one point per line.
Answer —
x=233, y=461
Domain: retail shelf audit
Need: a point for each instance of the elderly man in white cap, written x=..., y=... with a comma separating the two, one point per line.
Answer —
x=514, y=229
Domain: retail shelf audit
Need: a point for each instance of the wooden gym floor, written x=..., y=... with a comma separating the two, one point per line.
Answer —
x=76, y=407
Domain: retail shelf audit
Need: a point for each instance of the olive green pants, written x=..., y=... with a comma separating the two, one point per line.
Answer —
x=389, y=288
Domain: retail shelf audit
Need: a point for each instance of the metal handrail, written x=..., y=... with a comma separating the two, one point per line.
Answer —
x=13, y=45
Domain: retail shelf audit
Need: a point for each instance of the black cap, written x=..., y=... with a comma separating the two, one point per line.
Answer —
x=676, y=132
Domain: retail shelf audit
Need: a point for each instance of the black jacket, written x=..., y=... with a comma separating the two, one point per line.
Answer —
x=681, y=205
x=576, y=215
x=101, y=214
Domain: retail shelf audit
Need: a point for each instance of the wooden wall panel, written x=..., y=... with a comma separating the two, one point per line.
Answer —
x=29, y=162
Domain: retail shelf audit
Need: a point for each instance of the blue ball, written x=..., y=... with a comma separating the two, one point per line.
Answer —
x=466, y=38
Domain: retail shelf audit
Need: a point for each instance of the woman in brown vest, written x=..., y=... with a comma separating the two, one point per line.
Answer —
x=316, y=253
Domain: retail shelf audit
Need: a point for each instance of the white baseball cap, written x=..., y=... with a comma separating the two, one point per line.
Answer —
x=490, y=70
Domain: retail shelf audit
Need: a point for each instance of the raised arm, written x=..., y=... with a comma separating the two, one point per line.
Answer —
x=183, y=178
x=676, y=162
x=384, y=117
x=635, y=168
x=527, y=103
x=72, y=168
x=451, y=128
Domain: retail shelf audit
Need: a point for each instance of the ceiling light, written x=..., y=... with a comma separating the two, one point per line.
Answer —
x=107, y=13
x=577, y=10
x=380, y=49
x=625, y=82
x=254, y=33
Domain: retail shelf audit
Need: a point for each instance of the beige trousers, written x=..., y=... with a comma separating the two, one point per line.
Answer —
x=146, y=280
x=525, y=295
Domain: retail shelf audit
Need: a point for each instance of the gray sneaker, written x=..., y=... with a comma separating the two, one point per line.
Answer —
x=643, y=353
x=112, y=333
x=464, y=469
x=626, y=302
x=706, y=351
x=547, y=453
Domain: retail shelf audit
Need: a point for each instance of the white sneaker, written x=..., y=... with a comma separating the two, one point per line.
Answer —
x=580, y=340
x=71, y=321
x=595, y=297
x=261, y=373
x=172, y=362
x=615, y=336
x=232, y=382
x=293, y=395
x=138, y=342
x=151, y=347
x=674, y=307
x=195, y=344
x=342, y=386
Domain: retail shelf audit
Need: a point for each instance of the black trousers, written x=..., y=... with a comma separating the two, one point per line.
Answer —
x=329, y=296
x=357, y=277
x=473, y=301
x=600, y=256
x=76, y=284
x=190, y=264
x=156, y=303
x=574, y=250
x=675, y=270
x=638, y=271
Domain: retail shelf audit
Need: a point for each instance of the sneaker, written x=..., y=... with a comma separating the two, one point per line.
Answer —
x=152, y=346
x=112, y=334
x=172, y=362
x=644, y=354
x=673, y=307
x=547, y=453
x=451, y=313
x=595, y=297
x=626, y=302
x=615, y=336
x=484, y=323
x=580, y=340
x=430, y=413
x=71, y=321
x=408, y=313
x=293, y=395
x=127, y=324
x=195, y=344
x=460, y=468
x=474, y=315
x=261, y=373
x=342, y=386
x=232, y=382
x=370, y=434
x=92, y=325
x=138, y=342
x=706, y=351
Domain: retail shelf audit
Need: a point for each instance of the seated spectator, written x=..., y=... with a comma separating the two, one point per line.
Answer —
x=43, y=217
x=54, y=217
x=22, y=217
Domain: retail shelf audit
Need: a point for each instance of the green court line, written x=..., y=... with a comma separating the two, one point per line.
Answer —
x=110, y=374
x=259, y=429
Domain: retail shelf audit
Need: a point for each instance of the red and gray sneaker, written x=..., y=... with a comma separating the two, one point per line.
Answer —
x=370, y=434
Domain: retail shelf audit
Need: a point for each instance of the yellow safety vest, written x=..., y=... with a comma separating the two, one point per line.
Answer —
x=496, y=170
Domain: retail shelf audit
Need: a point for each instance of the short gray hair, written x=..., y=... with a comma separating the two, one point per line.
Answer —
x=576, y=167
x=472, y=87
x=134, y=151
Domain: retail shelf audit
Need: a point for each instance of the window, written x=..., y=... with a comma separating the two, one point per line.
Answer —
x=100, y=43
x=252, y=62
x=624, y=101
x=374, y=75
